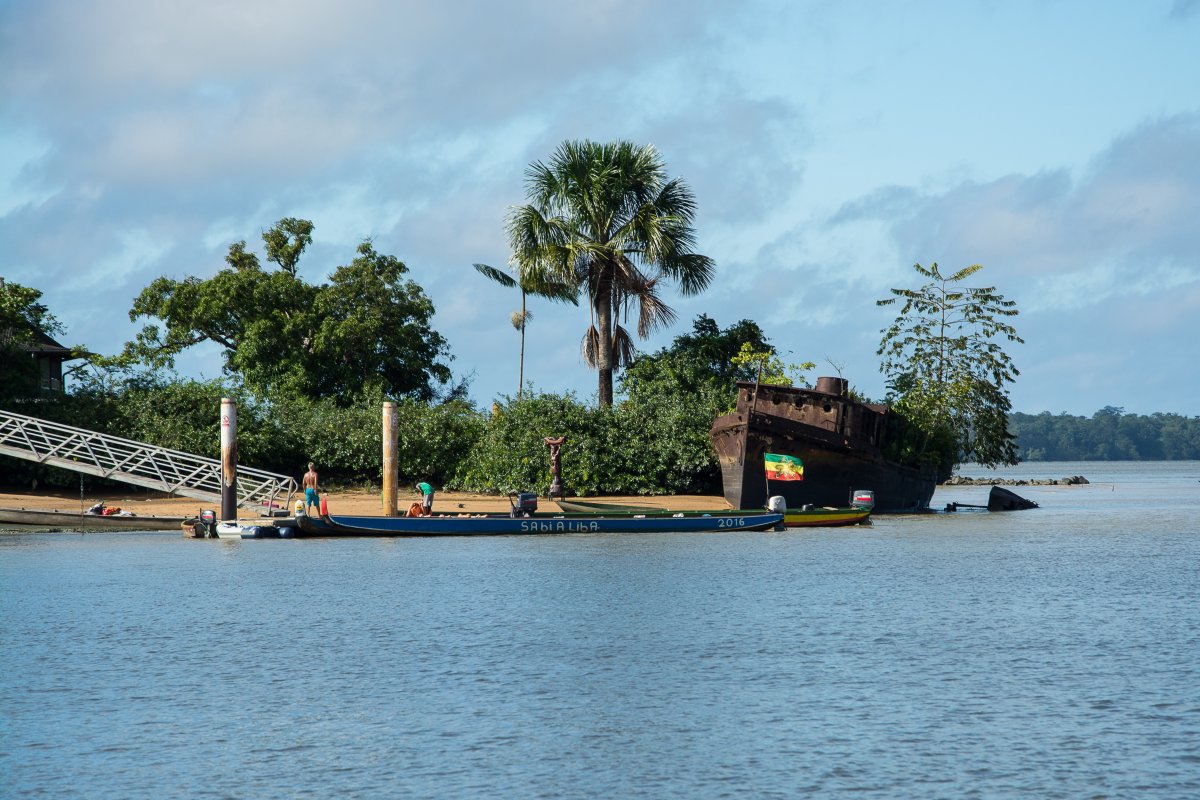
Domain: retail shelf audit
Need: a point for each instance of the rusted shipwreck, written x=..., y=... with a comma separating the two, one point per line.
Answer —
x=840, y=441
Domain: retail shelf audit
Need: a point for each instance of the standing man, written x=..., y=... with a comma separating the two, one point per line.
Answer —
x=426, y=497
x=310, y=488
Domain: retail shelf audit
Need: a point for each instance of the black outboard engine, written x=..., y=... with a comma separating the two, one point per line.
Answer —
x=208, y=522
x=526, y=505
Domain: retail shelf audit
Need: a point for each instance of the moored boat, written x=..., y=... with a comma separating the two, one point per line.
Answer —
x=575, y=506
x=541, y=523
x=826, y=517
x=79, y=521
x=793, y=518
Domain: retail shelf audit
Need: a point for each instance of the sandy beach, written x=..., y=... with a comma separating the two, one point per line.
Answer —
x=344, y=502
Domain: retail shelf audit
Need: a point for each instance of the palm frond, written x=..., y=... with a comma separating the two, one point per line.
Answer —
x=653, y=313
x=499, y=276
x=623, y=349
x=590, y=347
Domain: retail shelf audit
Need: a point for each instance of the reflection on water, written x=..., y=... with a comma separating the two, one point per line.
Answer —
x=1035, y=654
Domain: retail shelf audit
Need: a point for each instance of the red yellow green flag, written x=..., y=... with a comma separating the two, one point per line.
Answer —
x=784, y=468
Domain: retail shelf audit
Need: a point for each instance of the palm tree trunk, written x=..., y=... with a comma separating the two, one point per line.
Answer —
x=604, y=359
x=521, y=363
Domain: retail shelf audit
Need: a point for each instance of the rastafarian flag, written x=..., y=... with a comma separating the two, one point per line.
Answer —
x=784, y=468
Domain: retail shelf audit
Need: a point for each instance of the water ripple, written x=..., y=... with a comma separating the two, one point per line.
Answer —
x=978, y=656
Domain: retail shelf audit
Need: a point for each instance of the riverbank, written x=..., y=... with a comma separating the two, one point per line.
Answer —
x=367, y=503
x=156, y=504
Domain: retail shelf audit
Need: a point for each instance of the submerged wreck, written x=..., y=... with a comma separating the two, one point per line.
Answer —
x=840, y=442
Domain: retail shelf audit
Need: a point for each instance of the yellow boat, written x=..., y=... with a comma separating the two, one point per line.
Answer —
x=826, y=517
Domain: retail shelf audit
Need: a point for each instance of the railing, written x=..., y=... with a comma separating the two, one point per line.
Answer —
x=138, y=463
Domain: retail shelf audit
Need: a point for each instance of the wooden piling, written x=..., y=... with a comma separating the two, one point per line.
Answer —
x=391, y=465
x=228, y=459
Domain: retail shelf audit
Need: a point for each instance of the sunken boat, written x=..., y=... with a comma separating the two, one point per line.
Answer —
x=840, y=442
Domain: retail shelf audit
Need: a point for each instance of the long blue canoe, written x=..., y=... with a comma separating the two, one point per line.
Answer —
x=492, y=525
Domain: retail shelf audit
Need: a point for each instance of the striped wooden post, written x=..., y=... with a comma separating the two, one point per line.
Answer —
x=229, y=499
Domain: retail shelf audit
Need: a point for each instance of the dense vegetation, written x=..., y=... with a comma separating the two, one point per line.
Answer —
x=367, y=330
x=22, y=317
x=1108, y=435
x=653, y=441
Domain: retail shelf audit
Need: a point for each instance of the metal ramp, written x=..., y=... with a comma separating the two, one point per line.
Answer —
x=138, y=463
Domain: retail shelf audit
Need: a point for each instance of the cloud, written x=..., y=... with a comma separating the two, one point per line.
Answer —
x=141, y=138
x=1126, y=224
x=1184, y=9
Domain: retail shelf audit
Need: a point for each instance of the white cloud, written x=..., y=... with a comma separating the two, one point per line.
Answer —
x=826, y=152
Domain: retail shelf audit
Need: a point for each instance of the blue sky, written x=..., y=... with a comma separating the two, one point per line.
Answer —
x=830, y=146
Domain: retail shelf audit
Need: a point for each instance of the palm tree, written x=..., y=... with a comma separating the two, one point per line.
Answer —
x=605, y=219
x=551, y=290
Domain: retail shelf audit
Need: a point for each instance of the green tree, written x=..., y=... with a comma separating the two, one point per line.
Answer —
x=285, y=242
x=769, y=367
x=946, y=370
x=672, y=397
x=606, y=219
x=368, y=328
x=23, y=319
x=529, y=285
x=707, y=357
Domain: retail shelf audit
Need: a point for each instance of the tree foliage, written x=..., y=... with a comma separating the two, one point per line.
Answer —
x=672, y=397
x=22, y=317
x=1108, y=435
x=654, y=441
x=606, y=219
x=706, y=358
x=368, y=329
x=947, y=369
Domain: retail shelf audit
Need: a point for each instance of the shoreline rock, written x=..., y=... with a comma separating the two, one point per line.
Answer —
x=961, y=480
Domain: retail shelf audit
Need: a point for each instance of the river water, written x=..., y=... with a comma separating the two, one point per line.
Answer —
x=1045, y=653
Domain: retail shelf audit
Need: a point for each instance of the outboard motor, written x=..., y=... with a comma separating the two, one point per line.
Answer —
x=207, y=521
x=862, y=498
x=526, y=505
x=777, y=505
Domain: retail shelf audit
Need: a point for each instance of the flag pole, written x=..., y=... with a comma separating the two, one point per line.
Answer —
x=750, y=415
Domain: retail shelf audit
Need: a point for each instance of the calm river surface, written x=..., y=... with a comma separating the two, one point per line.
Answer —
x=1045, y=653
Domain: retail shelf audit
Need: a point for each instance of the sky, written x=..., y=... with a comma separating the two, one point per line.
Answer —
x=830, y=147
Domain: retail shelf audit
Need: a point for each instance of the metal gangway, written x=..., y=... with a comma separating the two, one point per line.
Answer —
x=138, y=463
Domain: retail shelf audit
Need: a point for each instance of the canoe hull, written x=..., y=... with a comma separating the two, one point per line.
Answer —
x=827, y=517
x=75, y=521
x=308, y=527
x=799, y=518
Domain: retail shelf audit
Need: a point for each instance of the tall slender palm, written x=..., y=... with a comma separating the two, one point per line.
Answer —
x=551, y=290
x=605, y=218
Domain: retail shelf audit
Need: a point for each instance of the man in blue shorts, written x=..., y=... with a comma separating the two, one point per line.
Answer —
x=310, y=488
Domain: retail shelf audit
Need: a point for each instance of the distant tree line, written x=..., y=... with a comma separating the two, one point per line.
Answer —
x=1108, y=435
